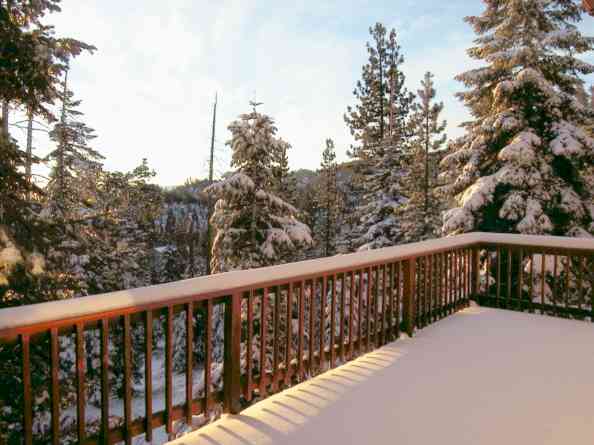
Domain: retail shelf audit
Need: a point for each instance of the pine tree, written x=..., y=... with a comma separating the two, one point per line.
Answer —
x=72, y=158
x=378, y=124
x=421, y=214
x=32, y=61
x=328, y=202
x=284, y=182
x=517, y=168
x=253, y=226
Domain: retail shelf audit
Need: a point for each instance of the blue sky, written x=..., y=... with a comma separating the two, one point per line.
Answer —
x=149, y=88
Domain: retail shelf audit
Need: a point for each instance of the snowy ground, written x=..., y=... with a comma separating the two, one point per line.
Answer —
x=482, y=376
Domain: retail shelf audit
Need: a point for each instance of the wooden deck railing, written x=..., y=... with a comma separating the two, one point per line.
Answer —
x=275, y=326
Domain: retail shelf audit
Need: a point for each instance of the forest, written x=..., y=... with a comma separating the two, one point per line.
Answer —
x=525, y=164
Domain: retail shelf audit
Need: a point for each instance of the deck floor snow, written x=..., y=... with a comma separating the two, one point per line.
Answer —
x=482, y=376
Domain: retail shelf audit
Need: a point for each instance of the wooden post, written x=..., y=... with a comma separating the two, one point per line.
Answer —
x=408, y=297
x=475, y=274
x=232, y=366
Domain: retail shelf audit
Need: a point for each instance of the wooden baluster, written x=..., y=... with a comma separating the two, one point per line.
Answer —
x=555, y=265
x=104, y=351
x=323, y=323
x=169, y=371
x=312, y=304
x=443, y=294
x=342, y=315
x=232, y=355
x=473, y=280
x=429, y=288
x=351, y=313
x=376, y=307
x=289, y=337
x=80, y=383
x=542, y=283
x=384, y=305
x=189, y=360
x=452, y=295
x=27, y=390
x=591, y=292
x=580, y=283
x=360, y=311
x=520, y=278
x=128, y=380
x=208, y=358
x=276, y=339
x=447, y=284
x=368, y=307
x=250, y=337
x=498, y=284
x=437, y=297
x=55, y=389
x=390, y=309
x=456, y=280
x=148, y=374
x=509, y=278
x=333, y=323
x=468, y=275
x=488, y=275
x=462, y=277
x=263, y=328
x=567, y=272
x=462, y=274
x=397, y=312
x=451, y=279
x=301, y=330
x=408, y=296
x=440, y=286
x=435, y=279
x=531, y=286
x=421, y=289
x=444, y=285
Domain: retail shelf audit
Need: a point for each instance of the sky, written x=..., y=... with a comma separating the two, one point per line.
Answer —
x=149, y=89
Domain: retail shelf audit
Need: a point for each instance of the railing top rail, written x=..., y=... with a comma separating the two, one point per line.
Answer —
x=551, y=242
x=231, y=282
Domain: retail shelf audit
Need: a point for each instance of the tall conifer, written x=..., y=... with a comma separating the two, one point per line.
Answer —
x=378, y=123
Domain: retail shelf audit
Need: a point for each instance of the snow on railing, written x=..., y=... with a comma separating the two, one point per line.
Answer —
x=226, y=283
x=233, y=338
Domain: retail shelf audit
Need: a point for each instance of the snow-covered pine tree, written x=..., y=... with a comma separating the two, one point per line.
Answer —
x=378, y=124
x=71, y=158
x=517, y=168
x=253, y=227
x=32, y=61
x=421, y=215
x=522, y=165
x=328, y=200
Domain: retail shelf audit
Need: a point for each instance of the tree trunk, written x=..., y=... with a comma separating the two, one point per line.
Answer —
x=29, y=159
x=5, y=119
x=426, y=162
x=61, y=147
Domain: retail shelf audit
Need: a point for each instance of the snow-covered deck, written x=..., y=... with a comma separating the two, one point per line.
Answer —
x=481, y=376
